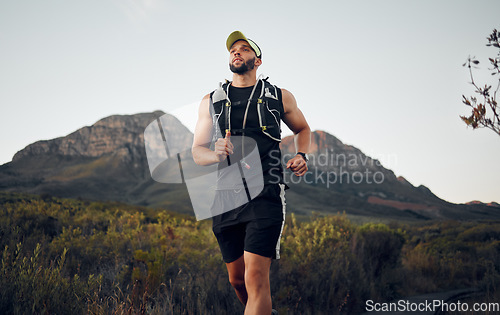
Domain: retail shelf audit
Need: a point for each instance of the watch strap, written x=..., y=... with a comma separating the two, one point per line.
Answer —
x=303, y=155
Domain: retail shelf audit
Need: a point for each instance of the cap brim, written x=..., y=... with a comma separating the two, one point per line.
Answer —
x=236, y=36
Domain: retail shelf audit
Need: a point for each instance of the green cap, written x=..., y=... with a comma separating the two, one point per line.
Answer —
x=236, y=36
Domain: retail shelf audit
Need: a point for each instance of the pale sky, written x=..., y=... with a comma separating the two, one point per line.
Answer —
x=383, y=76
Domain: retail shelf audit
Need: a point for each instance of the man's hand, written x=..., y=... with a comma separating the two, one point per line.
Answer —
x=297, y=165
x=223, y=147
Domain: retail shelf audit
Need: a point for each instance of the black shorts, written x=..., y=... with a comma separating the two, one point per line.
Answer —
x=254, y=227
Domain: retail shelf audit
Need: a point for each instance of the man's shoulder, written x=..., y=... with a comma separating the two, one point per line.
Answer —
x=289, y=102
x=287, y=95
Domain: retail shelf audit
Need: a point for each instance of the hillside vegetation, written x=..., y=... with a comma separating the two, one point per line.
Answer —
x=63, y=256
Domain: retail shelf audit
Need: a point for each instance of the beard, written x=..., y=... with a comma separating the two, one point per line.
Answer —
x=244, y=67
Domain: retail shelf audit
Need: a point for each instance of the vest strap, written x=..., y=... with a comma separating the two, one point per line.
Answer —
x=267, y=124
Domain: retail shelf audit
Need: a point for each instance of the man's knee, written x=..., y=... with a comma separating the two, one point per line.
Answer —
x=256, y=278
x=237, y=281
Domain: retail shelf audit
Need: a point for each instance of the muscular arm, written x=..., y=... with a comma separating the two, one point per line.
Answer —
x=202, y=154
x=297, y=123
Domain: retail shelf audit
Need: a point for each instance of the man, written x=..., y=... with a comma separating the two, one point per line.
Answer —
x=249, y=235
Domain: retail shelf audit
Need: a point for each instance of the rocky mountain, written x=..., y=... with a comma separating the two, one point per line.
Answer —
x=105, y=161
x=345, y=178
x=108, y=161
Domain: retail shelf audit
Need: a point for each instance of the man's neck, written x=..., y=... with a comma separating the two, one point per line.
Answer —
x=244, y=80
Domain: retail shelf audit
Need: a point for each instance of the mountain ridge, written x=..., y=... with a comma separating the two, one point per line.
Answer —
x=89, y=140
x=107, y=161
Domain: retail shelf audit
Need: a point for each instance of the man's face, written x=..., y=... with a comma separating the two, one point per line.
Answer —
x=242, y=58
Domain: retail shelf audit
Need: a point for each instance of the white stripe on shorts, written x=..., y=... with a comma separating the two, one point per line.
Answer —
x=283, y=203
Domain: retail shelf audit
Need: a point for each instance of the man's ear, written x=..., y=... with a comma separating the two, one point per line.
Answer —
x=258, y=61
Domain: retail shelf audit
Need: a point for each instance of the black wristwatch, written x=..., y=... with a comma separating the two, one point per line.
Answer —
x=304, y=155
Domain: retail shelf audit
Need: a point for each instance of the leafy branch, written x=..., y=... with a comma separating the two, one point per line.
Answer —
x=484, y=114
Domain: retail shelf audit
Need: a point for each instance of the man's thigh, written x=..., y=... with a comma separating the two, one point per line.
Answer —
x=231, y=241
x=262, y=237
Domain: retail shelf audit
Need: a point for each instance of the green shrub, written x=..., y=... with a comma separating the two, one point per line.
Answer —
x=30, y=287
x=151, y=261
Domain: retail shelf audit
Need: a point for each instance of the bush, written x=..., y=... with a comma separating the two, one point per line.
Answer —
x=30, y=287
x=155, y=261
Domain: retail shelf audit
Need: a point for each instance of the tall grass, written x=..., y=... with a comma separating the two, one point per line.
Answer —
x=72, y=257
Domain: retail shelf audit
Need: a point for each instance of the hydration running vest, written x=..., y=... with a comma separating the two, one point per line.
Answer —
x=269, y=109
